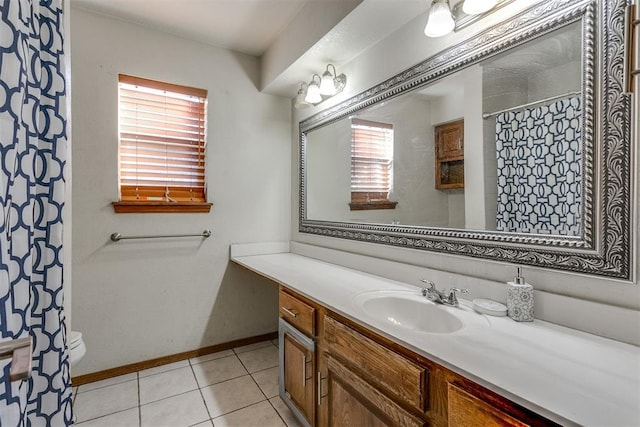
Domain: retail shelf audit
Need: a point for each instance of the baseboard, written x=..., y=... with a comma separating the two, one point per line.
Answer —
x=146, y=364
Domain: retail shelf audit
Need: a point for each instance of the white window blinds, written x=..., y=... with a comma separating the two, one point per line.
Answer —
x=371, y=160
x=162, y=141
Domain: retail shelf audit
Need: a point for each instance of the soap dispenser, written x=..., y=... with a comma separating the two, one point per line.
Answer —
x=520, y=299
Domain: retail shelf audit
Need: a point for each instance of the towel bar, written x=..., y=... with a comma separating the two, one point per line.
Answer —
x=116, y=237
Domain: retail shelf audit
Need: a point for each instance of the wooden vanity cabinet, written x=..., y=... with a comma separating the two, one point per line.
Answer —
x=356, y=377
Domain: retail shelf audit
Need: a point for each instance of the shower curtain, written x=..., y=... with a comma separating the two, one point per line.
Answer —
x=539, y=154
x=33, y=146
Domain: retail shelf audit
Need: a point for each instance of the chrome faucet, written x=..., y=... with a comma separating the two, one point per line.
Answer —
x=441, y=297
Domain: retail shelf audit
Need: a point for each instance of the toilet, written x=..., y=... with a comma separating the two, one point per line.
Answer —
x=77, y=348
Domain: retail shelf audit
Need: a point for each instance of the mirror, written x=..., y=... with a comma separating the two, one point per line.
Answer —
x=531, y=184
x=485, y=149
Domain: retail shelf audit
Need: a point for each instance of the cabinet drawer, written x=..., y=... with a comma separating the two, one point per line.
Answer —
x=298, y=313
x=468, y=410
x=382, y=367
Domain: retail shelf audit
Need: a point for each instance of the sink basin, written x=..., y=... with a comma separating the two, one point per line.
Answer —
x=409, y=310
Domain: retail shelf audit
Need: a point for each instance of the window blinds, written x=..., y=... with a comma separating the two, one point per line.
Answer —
x=371, y=160
x=162, y=141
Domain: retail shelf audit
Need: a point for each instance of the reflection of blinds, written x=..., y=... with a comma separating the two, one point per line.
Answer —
x=162, y=141
x=371, y=158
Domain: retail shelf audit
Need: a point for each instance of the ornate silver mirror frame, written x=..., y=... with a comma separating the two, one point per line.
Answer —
x=604, y=249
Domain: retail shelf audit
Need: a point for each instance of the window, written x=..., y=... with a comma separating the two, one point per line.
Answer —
x=371, y=165
x=162, y=147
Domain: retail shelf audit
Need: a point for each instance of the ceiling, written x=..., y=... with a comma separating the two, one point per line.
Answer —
x=343, y=30
x=247, y=26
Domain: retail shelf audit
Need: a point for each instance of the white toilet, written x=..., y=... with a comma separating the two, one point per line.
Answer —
x=77, y=348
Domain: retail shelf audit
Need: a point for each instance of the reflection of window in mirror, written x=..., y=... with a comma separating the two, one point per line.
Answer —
x=371, y=165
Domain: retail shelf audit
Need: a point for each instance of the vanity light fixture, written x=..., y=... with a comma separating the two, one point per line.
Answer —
x=313, y=91
x=328, y=85
x=302, y=93
x=442, y=19
x=320, y=88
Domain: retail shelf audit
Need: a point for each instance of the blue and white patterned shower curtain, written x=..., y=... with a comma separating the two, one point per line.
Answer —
x=33, y=144
x=539, y=153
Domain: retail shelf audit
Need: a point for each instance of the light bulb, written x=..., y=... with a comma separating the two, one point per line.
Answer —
x=313, y=94
x=300, y=102
x=476, y=7
x=440, y=21
x=327, y=85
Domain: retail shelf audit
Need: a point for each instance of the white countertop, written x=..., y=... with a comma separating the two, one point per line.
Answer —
x=568, y=376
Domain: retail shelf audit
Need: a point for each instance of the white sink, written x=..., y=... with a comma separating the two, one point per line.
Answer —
x=409, y=310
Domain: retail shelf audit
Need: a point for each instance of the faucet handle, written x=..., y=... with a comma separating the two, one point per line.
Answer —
x=432, y=285
x=453, y=299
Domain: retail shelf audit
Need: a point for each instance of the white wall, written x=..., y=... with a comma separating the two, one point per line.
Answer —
x=401, y=50
x=474, y=153
x=141, y=299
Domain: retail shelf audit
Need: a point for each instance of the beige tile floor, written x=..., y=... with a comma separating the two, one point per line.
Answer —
x=236, y=387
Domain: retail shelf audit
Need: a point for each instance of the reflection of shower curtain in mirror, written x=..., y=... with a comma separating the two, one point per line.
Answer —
x=539, y=153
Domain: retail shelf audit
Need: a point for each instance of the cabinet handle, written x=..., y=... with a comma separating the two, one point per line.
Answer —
x=319, y=388
x=304, y=371
x=289, y=312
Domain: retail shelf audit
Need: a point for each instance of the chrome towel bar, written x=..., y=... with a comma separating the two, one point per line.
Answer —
x=116, y=237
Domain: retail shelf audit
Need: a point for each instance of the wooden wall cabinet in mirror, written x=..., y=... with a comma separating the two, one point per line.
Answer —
x=449, y=144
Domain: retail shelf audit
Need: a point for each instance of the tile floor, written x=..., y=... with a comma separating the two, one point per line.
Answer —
x=236, y=387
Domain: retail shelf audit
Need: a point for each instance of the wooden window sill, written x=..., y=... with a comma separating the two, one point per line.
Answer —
x=161, y=207
x=371, y=205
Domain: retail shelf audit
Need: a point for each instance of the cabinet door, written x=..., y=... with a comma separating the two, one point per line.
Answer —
x=389, y=371
x=298, y=375
x=351, y=401
x=450, y=140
